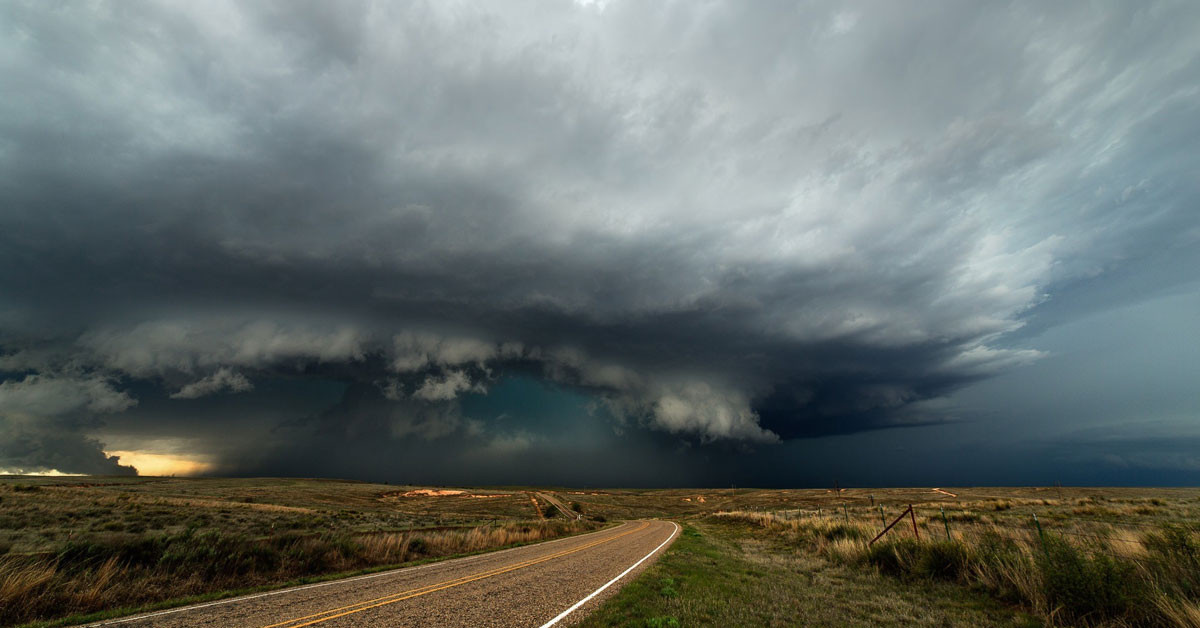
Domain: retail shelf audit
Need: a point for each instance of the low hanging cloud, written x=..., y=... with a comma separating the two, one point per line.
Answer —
x=724, y=222
x=222, y=380
x=42, y=420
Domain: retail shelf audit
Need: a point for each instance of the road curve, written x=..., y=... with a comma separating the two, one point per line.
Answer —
x=551, y=583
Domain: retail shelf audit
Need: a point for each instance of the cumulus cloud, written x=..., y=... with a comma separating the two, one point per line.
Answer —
x=42, y=419
x=173, y=346
x=222, y=380
x=446, y=387
x=729, y=221
x=50, y=396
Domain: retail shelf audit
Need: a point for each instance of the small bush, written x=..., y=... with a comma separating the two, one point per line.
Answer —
x=662, y=622
x=944, y=560
x=1085, y=588
x=894, y=558
x=1175, y=560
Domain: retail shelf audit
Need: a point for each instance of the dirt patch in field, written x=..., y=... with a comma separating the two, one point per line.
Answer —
x=429, y=492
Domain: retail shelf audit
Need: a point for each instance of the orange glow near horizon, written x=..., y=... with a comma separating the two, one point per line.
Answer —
x=149, y=463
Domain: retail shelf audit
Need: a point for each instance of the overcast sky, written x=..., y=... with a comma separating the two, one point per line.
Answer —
x=640, y=243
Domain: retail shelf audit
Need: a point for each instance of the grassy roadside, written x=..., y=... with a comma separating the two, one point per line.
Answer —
x=731, y=574
x=85, y=618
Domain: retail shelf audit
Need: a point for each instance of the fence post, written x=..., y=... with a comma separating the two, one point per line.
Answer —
x=913, y=515
x=882, y=517
x=872, y=500
x=1041, y=535
x=945, y=522
x=845, y=512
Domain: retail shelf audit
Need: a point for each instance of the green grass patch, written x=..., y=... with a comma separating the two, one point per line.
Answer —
x=729, y=574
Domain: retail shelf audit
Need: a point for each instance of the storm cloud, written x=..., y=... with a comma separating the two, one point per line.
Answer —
x=726, y=225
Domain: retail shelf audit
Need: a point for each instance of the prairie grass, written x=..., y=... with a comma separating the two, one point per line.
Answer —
x=727, y=572
x=91, y=546
x=1087, y=574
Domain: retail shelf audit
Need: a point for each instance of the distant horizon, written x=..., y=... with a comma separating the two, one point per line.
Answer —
x=602, y=486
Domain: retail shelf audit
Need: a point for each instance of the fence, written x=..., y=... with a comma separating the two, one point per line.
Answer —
x=1020, y=524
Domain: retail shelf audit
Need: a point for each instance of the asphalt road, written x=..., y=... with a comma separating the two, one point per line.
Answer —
x=557, y=581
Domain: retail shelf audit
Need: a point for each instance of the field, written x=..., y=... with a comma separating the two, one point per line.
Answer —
x=1092, y=557
x=82, y=546
x=72, y=548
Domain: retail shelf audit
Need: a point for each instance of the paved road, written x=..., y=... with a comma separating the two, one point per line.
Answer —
x=536, y=585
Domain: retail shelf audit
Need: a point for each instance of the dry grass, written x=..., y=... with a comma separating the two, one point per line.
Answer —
x=1078, y=572
x=72, y=546
x=95, y=575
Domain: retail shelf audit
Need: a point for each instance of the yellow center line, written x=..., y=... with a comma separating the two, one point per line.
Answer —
x=432, y=588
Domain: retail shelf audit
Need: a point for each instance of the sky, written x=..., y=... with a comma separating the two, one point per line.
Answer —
x=602, y=243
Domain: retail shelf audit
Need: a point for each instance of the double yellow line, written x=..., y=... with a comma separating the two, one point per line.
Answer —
x=334, y=613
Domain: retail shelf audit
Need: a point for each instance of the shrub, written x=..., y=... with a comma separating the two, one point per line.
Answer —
x=944, y=560
x=1175, y=560
x=894, y=558
x=1084, y=588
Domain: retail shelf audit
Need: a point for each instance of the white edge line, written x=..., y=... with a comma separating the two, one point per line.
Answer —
x=610, y=582
x=390, y=572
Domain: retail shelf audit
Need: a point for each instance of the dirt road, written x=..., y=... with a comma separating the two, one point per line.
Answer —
x=552, y=583
x=569, y=514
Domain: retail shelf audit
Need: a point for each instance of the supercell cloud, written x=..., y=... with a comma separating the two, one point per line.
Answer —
x=725, y=226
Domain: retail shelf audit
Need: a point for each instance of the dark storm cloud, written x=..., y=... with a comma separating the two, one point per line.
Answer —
x=724, y=222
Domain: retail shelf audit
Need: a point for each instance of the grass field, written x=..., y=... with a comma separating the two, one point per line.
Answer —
x=70, y=547
x=76, y=546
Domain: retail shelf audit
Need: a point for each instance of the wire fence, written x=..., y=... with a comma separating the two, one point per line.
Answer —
x=1019, y=525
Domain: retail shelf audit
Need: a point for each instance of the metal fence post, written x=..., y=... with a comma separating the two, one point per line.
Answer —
x=945, y=522
x=1041, y=535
